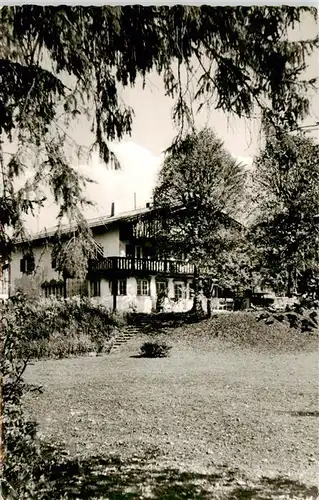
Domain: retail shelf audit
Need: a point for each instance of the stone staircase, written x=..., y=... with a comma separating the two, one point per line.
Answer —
x=143, y=323
x=128, y=333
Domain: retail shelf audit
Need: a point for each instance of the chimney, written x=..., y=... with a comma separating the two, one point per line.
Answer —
x=148, y=205
x=113, y=209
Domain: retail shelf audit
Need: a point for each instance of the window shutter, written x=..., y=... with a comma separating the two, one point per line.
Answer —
x=30, y=264
x=22, y=265
x=53, y=262
x=95, y=288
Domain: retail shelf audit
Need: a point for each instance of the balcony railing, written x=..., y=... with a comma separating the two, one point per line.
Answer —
x=174, y=267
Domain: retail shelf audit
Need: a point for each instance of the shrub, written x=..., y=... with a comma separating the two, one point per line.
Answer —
x=60, y=327
x=154, y=350
x=60, y=345
x=18, y=321
x=38, y=328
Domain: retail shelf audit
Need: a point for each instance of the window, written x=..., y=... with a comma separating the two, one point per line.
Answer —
x=179, y=291
x=22, y=265
x=149, y=252
x=121, y=287
x=27, y=264
x=95, y=288
x=143, y=287
x=161, y=287
x=55, y=288
x=129, y=250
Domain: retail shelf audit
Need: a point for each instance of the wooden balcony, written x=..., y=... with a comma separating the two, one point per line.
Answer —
x=130, y=266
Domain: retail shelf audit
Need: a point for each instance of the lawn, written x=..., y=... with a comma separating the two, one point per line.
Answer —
x=214, y=420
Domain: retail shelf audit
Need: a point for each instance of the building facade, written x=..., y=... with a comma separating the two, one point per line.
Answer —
x=130, y=274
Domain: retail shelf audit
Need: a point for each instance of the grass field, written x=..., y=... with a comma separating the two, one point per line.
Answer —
x=214, y=420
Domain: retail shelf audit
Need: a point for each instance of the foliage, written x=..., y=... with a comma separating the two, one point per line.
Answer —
x=302, y=316
x=39, y=329
x=20, y=449
x=152, y=323
x=52, y=282
x=107, y=46
x=72, y=254
x=201, y=186
x=64, y=327
x=308, y=283
x=60, y=345
x=61, y=63
x=155, y=350
x=232, y=265
x=57, y=327
x=285, y=232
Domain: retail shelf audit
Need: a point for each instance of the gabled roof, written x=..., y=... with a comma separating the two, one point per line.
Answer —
x=105, y=220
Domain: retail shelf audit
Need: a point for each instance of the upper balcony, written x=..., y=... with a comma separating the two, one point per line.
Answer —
x=132, y=266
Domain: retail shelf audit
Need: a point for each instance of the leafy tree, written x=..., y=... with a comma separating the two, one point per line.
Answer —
x=234, y=263
x=200, y=187
x=285, y=232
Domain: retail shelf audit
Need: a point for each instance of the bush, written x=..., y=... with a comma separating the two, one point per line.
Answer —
x=18, y=322
x=302, y=315
x=61, y=345
x=38, y=328
x=59, y=327
x=154, y=350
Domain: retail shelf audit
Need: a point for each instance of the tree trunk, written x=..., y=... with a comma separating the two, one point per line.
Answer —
x=114, y=292
x=290, y=282
x=2, y=354
x=2, y=448
x=209, y=307
x=197, y=304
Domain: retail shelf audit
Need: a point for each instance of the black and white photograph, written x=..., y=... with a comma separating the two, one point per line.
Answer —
x=159, y=265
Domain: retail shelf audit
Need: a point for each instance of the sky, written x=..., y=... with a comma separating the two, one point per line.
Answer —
x=141, y=155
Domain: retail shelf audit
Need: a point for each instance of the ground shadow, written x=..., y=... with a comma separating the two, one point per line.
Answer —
x=142, y=477
x=153, y=323
x=143, y=356
x=301, y=413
